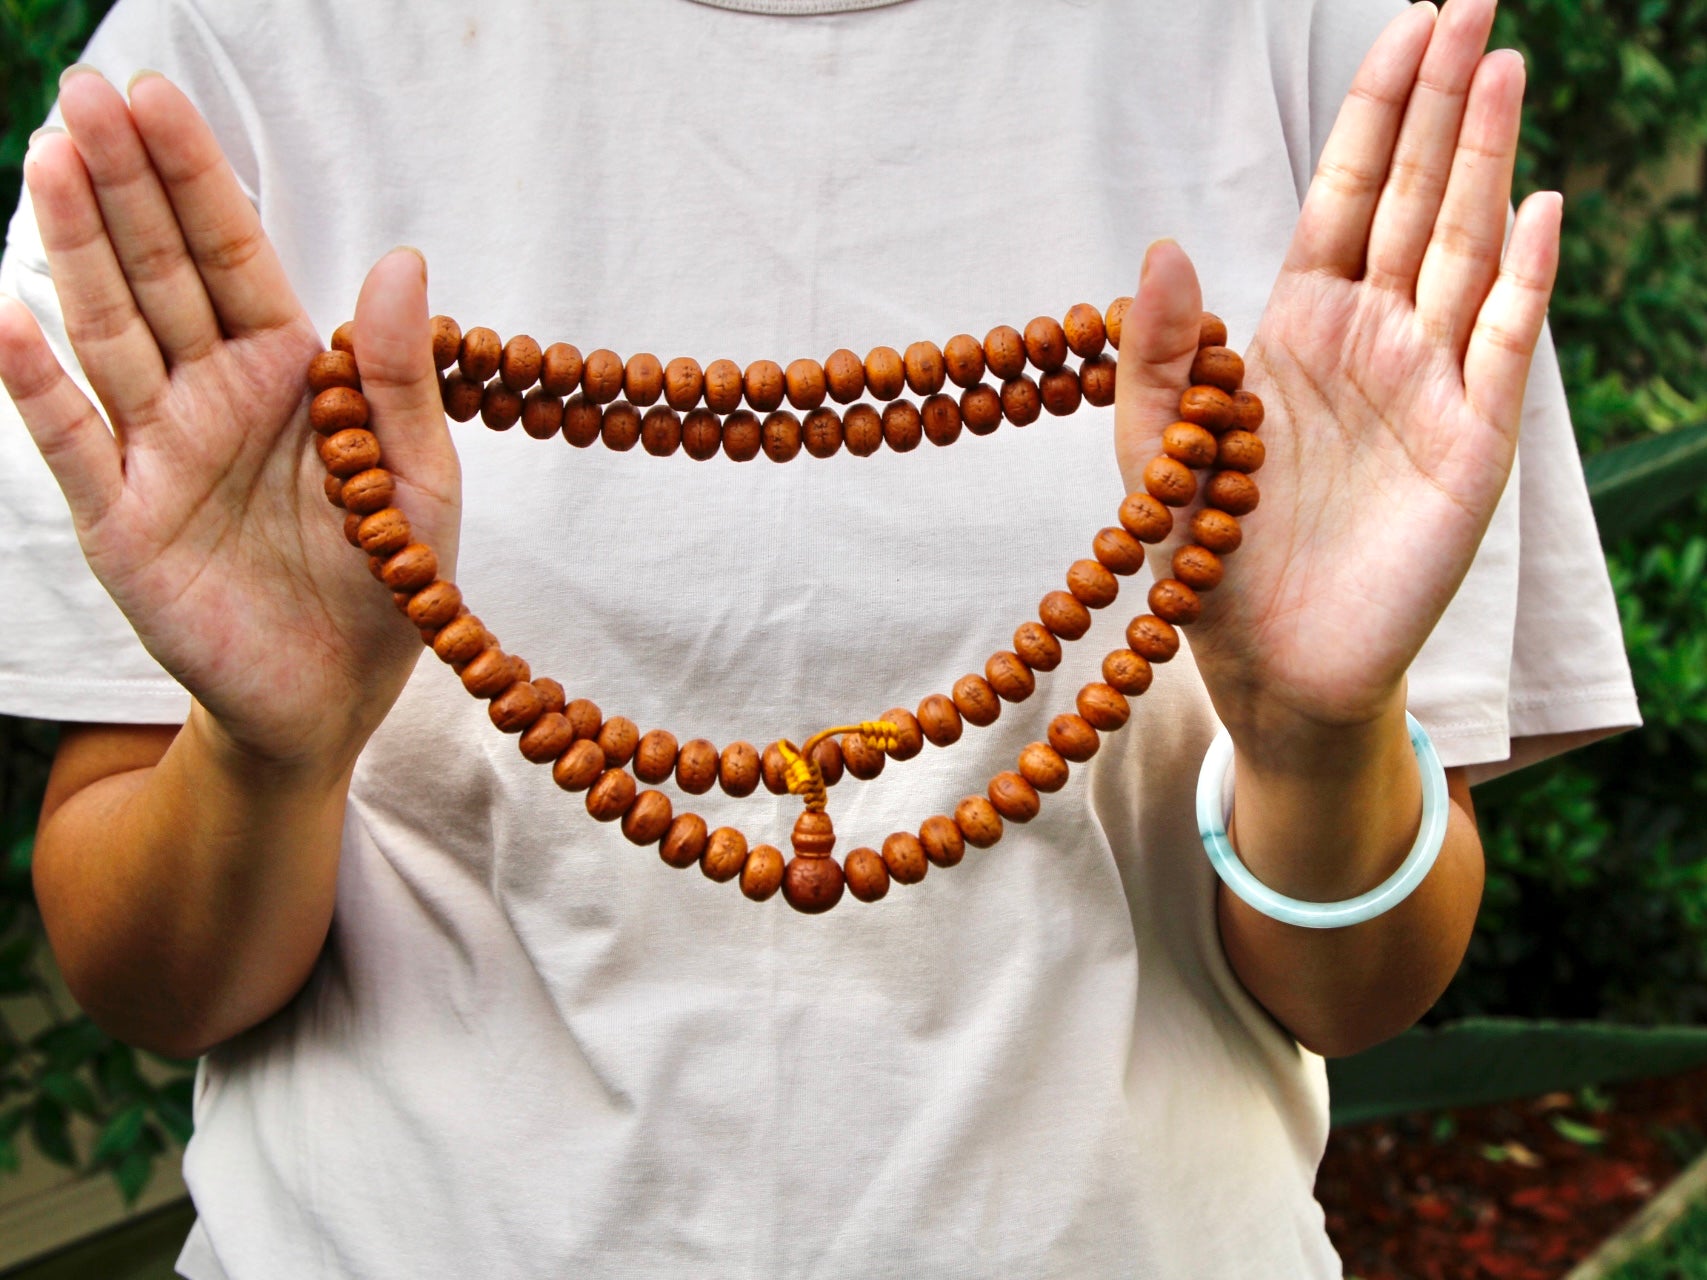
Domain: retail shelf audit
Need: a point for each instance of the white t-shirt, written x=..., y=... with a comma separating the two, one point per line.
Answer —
x=531, y=1049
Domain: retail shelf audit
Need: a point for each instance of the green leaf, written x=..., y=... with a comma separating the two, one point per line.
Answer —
x=132, y=1173
x=122, y=1134
x=1633, y=484
x=70, y=1092
x=172, y=1108
x=1584, y=1135
x=49, y=1128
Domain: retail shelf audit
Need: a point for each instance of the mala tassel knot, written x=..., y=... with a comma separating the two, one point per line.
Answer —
x=802, y=772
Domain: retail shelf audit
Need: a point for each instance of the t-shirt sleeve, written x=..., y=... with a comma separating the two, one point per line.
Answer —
x=70, y=654
x=1529, y=659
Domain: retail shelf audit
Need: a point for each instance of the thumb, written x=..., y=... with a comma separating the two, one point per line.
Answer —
x=1158, y=341
x=394, y=350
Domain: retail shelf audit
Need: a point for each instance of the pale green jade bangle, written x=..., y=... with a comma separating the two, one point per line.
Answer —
x=1212, y=809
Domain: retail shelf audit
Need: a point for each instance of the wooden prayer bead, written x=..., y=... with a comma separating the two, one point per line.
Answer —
x=1209, y=407
x=655, y=757
x=460, y=397
x=1040, y=764
x=488, y=674
x=1145, y=518
x=542, y=414
x=902, y=428
x=806, y=386
x=601, y=376
x=685, y=841
x=1126, y=672
x=1198, y=567
x=862, y=430
x=844, y=376
x=1064, y=616
x=1247, y=411
x=516, y=708
x=337, y=409
x=582, y=421
x=702, y=435
x=620, y=426
x=924, y=368
x=725, y=854
x=519, y=363
x=547, y=738
x=773, y=770
x=1233, y=491
x=560, y=369
x=375, y=565
x=1004, y=352
x=723, y=386
x=814, y=835
x=1189, y=443
x=684, y=380
x=976, y=700
x=821, y=433
x=481, y=351
x=1240, y=451
x=610, y=797
x=618, y=738
x=519, y=669
x=447, y=342
x=909, y=737
x=1113, y=318
x=939, y=720
x=1118, y=551
x=1060, y=392
x=762, y=874
x=367, y=491
x=940, y=416
x=643, y=379
x=1173, y=601
x=344, y=337
x=981, y=410
x=459, y=640
x=1009, y=677
x=1152, y=638
x=661, y=431
x=941, y=840
x=435, y=604
x=1036, y=647
x=1097, y=381
x=1013, y=797
x=1211, y=331
x=980, y=825
x=884, y=373
x=780, y=436
x=1046, y=343
x=904, y=855
x=764, y=385
x=743, y=436
x=349, y=451
x=868, y=877
x=411, y=568
x=738, y=769
x=648, y=818
x=963, y=361
x=1074, y=737
x=1169, y=481
x=1021, y=401
x=586, y=717
x=828, y=755
x=551, y=692
x=862, y=759
x=1092, y=584
x=1103, y=706
x=1219, y=367
x=579, y=767
x=383, y=533
x=696, y=767
x=811, y=885
x=500, y=408
x=1084, y=330
x=333, y=487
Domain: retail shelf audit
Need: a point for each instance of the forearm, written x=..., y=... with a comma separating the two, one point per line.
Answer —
x=1326, y=816
x=188, y=901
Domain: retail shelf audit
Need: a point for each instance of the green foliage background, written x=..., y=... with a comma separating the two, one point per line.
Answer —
x=1596, y=904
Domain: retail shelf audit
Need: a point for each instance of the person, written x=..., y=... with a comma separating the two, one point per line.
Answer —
x=448, y=1024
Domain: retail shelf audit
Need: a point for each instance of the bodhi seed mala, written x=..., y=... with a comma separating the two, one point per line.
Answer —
x=555, y=391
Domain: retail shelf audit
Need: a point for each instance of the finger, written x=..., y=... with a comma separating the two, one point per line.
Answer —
x=1158, y=341
x=74, y=441
x=139, y=219
x=113, y=342
x=1463, y=254
x=1496, y=364
x=394, y=350
x=1410, y=201
x=1333, y=226
x=238, y=265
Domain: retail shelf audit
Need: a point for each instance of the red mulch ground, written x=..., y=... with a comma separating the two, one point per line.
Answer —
x=1519, y=1191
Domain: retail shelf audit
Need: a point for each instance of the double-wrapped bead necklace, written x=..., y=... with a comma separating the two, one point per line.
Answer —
x=741, y=413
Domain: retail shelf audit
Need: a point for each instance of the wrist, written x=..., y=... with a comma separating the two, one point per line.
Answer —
x=309, y=766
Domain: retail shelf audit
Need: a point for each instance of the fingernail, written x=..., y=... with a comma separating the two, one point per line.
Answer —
x=42, y=132
x=1144, y=271
x=409, y=248
x=130, y=85
x=77, y=69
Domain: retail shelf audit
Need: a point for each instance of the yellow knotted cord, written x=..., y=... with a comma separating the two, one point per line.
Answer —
x=802, y=773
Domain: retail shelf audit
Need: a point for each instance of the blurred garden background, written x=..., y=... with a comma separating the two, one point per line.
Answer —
x=1589, y=964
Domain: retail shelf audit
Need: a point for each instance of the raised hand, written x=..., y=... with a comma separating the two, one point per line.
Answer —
x=202, y=510
x=1391, y=358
